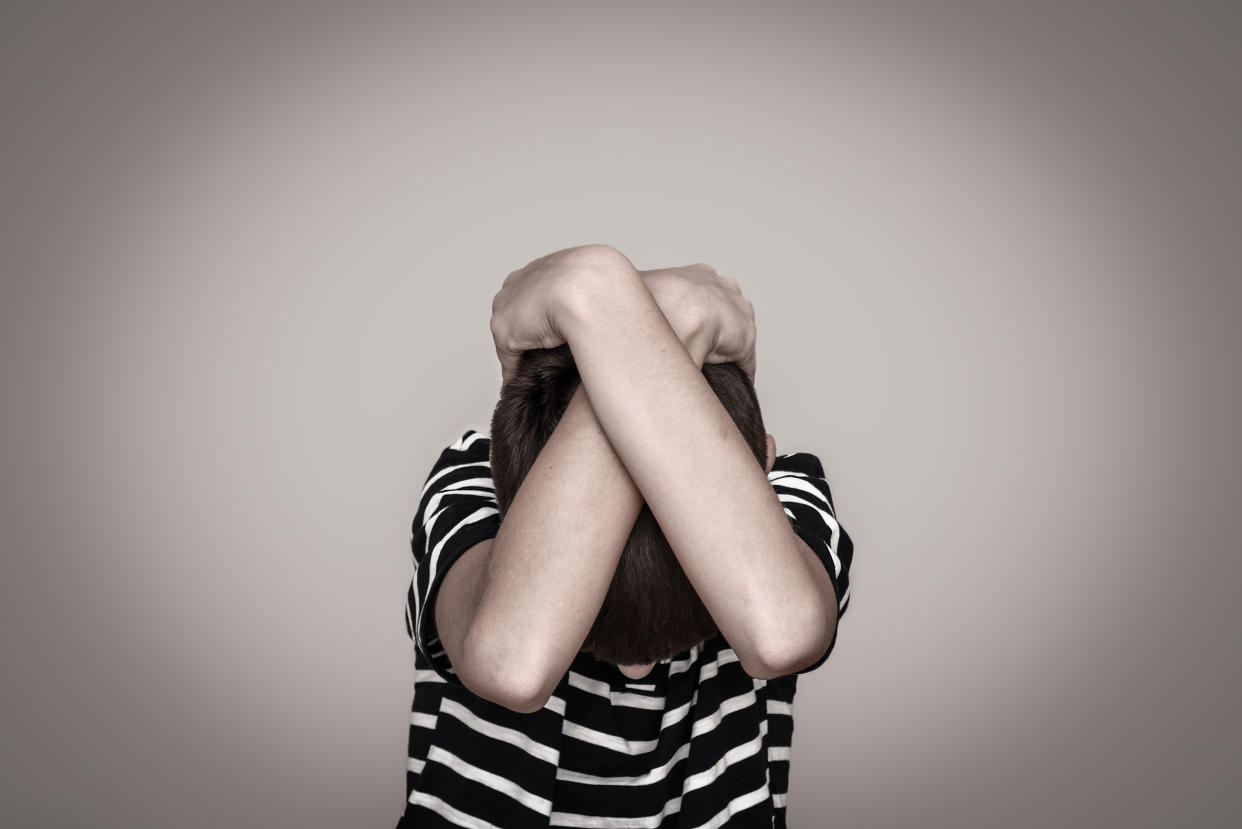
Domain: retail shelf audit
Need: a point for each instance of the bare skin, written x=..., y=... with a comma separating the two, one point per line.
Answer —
x=768, y=594
x=643, y=425
x=636, y=671
x=640, y=671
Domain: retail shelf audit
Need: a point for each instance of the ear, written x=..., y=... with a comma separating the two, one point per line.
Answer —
x=771, y=443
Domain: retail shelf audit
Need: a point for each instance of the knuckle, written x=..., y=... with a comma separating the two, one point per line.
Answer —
x=599, y=249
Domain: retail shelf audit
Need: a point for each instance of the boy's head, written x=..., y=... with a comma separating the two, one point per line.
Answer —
x=651, y=611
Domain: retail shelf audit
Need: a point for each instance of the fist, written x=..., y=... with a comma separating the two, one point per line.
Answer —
x=528, y=309
x=700, y=303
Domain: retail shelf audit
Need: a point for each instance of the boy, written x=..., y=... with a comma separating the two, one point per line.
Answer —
x=623, y=649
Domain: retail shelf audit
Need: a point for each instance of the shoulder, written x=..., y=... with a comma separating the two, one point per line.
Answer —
x=799, y=475
x=797, y=463
x=466, y=461
x=469, y=447
x=471, y=441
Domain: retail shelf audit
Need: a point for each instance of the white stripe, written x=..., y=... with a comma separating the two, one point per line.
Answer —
x=776, y=753
x=816, y=504
x=414, y=765
x=734, y=703
x=418, y=601
x=467, y=440
x=779, y=706
x=433, y=503
x=423, y=720
x=499, y=732
x=428, y=528
x=695, y=781
x=428, y=485
x=450, y=813
x=707, y=670
x=734, y=755
x=611, y=741
x=827, y=517
x=681, y=665
x=493, y=781
x=834, y=533
x=736, y=805
x=778, y=800
x=832, y=553
x=591, y=822
x=469, y=486
x=589, y=735
x=428, y=675
x=799, y=481
x=602, y=689
x=647, y=778
x=478, y=515
x=636, y=747
x=595, y=686
x=434, y=510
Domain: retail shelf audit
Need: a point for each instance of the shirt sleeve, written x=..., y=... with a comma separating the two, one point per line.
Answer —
x=456, y=510
x=799, y=482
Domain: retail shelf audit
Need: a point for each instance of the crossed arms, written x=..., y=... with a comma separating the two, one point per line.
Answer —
x=643, y=425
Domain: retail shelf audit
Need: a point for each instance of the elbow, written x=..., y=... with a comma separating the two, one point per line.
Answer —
x=527, y=704
x=506, y=679
x=508, y=695
x=795, y=645
x=516, y=691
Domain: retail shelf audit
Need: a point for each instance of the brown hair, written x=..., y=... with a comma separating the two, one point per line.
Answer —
x=651, y=611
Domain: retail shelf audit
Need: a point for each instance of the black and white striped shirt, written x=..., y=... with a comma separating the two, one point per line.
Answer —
x=695, y=743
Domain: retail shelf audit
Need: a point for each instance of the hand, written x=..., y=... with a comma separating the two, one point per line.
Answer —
x=700, y=304
x=528, y=307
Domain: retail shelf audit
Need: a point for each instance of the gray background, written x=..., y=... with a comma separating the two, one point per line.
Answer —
x=248, y=260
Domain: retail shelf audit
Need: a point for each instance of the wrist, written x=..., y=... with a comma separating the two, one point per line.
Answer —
x=600, y=276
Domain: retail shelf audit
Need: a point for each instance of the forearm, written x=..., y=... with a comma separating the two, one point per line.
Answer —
x=555, y=554
x=695, y=471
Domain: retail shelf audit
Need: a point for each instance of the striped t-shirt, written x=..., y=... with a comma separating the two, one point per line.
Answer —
x=697, y=742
